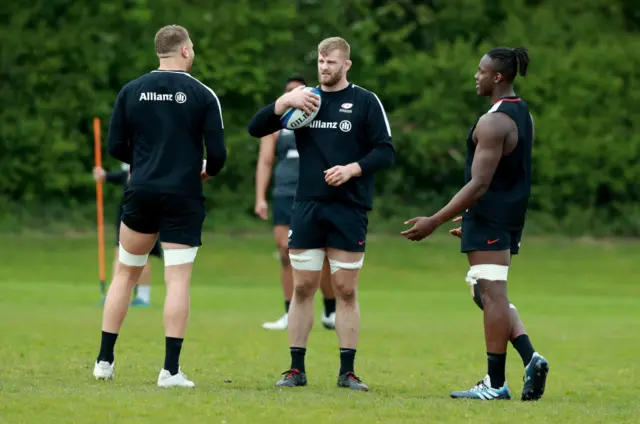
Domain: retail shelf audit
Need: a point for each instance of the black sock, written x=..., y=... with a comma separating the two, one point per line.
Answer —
x=297, y=358
x=173, y=346
x=496, y=365
x=106, y=347
x=329, y=306
x=347, y=358
x=287, y=304
x=523, y=345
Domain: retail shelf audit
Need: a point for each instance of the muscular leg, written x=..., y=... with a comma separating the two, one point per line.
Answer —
x=305, y=285
x=518, y=336
x=345, y=285
x=307, y=267
x=497, y=321
x=178, y=261
x=119, y=293
x=345, y=270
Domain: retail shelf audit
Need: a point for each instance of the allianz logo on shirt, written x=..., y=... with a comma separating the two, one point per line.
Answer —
x=151, y=96
x=345, y=126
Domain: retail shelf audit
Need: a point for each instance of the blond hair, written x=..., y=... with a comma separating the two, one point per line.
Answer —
x=169, y=39
x=328, y=45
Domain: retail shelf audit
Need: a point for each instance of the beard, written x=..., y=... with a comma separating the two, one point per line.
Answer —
x=189, y=66
x=330, y=80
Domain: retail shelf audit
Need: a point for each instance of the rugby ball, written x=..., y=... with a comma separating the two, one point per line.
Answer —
x=293, y=119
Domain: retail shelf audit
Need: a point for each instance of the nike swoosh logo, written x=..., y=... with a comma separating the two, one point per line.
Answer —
x=492, y=241
x=360, y=243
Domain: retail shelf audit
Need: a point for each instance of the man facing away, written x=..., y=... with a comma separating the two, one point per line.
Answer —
x=158, y=125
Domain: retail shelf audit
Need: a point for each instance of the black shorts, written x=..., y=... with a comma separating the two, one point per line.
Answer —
x=479, y=235
x=157, y=248
x=282, y=206
x=178, y=218
x=318, y=225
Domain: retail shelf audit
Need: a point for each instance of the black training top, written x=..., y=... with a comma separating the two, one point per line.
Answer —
x=351, y=126
x=158, y=125
x=505, y=202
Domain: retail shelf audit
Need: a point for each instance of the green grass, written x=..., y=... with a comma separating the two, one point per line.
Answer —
x=421, y=337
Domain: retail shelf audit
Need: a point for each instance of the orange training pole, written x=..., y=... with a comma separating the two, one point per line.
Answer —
x=99, y=202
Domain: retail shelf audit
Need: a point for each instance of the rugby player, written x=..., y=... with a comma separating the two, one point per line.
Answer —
x=340, y=151
x=158, y=125
x=494, y=201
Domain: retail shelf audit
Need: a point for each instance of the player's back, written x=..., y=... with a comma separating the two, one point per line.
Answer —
x=165, y=114
x=505, y=202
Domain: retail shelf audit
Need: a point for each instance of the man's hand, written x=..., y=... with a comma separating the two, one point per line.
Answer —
x=457, y=232
x=99, y=174
x=262, y=209
x=298, y=99
x=339, y=175
x=423, y=227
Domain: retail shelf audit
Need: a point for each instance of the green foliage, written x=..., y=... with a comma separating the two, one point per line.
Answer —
x=62, y=63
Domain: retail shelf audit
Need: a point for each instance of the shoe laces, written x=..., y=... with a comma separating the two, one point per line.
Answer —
x=353, y=377
x=480, y=386
x=291, y=373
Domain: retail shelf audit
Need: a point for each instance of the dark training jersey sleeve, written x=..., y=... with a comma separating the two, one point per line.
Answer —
x=117, y=177
x=378, y=135
x=265, y=122
x=119, y=142
x=160, y=125
x=214, y=138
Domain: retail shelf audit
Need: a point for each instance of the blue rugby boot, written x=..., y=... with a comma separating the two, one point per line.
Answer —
x=535, y=378
x=484, y=391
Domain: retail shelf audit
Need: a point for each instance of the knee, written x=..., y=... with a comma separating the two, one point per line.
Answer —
x=304, y=288
x=492, y=292
x=344, y=289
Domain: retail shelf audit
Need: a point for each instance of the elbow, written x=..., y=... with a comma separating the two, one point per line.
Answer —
x=253, y=132
x=391, y=157
x=216, y=163
x=256, y=131
x=482, y=186
x=388, y=158
x=119, y=152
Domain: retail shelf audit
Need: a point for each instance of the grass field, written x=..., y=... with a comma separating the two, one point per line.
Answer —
x=421, y=337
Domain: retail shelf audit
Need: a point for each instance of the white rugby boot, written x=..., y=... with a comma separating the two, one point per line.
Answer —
x=329, y=322
x=103, y=370
x=165, y=379
x=280, y=324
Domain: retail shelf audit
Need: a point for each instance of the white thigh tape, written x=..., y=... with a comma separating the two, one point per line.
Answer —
x=487, y=272
x=179, y=256
x=309, y=260
x=337, y=265
x=129, y=259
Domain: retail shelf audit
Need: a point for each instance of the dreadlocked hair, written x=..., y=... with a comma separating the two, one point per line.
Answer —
x=509, y=62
